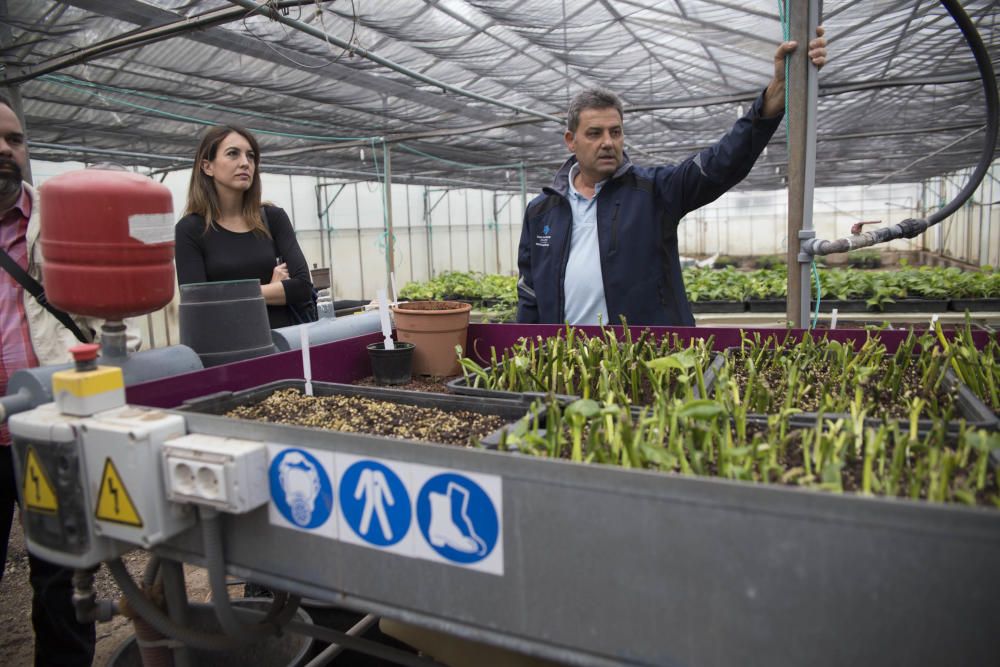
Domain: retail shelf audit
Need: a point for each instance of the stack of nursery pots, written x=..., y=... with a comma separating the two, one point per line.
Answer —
x=434, y=328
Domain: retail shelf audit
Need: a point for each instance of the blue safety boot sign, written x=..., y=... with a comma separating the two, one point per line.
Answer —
x=459, y=517
x=375, y=503
x=301, y=490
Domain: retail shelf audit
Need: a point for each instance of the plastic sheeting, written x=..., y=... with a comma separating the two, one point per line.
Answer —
x=900, y=97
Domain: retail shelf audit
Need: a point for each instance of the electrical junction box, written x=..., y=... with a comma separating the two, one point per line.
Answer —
x=122, y=451
x=51, y=474
x=225, y=473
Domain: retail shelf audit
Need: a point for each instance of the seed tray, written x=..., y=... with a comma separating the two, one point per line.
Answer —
x=460, y=386
x=224, y=401
x=970, y=408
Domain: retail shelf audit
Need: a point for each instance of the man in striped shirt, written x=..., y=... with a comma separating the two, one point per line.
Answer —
x=59, y=638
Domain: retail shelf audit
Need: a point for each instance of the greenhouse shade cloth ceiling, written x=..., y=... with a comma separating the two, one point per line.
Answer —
x=468, y=91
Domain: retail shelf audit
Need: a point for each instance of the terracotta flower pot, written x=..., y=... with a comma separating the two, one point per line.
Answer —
x=434, y=328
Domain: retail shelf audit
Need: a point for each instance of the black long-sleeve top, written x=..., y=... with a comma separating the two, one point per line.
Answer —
x=220, y=254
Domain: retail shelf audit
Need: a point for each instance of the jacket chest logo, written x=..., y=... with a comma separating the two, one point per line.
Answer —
x=544, y=240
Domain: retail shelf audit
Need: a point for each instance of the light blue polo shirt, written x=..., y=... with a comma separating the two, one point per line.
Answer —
x=583, y=284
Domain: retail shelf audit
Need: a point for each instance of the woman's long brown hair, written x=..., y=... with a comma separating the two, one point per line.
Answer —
x=202, y=197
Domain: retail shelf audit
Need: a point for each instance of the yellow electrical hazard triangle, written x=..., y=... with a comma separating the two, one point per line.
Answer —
x=38, y=492
x=114, y=502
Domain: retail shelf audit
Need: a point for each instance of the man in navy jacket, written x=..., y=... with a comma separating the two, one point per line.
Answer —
x=601, y=241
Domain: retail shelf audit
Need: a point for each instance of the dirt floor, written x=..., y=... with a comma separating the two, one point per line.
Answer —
x=16, y=637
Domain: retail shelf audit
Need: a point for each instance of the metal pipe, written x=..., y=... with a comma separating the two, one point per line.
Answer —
x=333, y=650
x=135, y=39
x=802, y=94
x=175, y=592
x=390, y=245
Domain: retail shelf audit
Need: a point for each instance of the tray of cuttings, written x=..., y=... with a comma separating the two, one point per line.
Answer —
x=463, y=421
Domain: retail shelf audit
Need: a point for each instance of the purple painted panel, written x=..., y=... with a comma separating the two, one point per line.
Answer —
x=341, y=361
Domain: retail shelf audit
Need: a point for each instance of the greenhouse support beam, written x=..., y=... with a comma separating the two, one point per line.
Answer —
x=803, y=91
x=385, y=62
x=136, y=39
x=390, y=246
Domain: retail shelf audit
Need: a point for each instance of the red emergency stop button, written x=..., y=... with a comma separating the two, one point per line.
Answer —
x=85, y=352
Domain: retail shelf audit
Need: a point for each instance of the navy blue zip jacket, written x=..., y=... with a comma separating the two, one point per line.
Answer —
x=638, y=211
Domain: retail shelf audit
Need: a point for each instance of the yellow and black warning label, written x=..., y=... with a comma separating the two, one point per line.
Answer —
x=113, y=501
x=38, y=492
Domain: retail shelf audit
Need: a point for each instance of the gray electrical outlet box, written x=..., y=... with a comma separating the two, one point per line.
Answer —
x=58, y=516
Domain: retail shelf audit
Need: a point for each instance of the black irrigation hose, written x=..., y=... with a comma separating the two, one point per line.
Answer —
x=912, y=228
x=988, y=77
x=282, y=608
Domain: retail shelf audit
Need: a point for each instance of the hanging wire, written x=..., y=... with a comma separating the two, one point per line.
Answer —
x=98, y=90
x=465, y=165
x=319, y=11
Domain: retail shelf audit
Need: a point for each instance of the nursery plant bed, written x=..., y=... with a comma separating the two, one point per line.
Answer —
x=704, y=569
x=975, y=305
x=914, y=306
x=420, y=416
x=460, y=385
x=968, y=407
x=718, y=306
x=767, y=452
x=842, y=305
x=767, y=305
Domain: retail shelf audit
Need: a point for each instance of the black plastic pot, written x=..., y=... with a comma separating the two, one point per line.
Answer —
x=225, y=321
x=391, y=366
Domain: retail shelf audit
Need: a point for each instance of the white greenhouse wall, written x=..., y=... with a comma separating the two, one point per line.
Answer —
x=439, y=230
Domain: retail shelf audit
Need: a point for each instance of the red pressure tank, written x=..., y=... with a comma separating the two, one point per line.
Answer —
x=107, y=243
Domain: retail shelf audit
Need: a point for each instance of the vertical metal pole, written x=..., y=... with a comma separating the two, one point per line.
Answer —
x=390, y=245
x=357, y=219
x=322, y=214
x=524, y=210
x=803, y=89
x=175, y=593
x=451, y=251
x=409, y=232
x=496, y=229
x=427, y=223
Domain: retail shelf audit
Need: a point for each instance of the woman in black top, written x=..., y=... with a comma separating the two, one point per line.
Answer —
x=223, y=234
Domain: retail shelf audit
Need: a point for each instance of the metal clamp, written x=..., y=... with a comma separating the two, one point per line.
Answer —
x=805, y=245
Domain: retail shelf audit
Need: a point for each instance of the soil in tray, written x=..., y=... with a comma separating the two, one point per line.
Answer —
x=880, y=401
x=356, y=414
x=428, y=383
